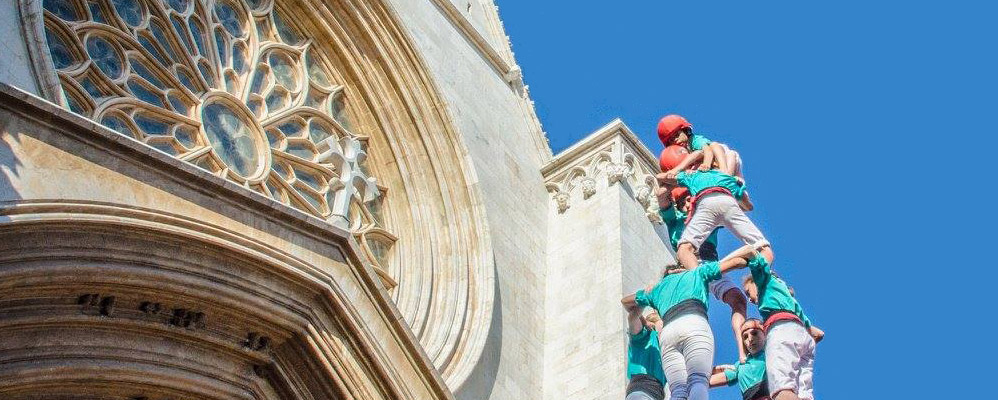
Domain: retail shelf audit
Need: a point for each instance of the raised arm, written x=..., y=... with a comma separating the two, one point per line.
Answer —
x=746, y=252
x=730, y=264
x=629, y=302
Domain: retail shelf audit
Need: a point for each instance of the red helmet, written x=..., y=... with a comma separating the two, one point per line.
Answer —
x=669, y=126
x=678, y=192
x=672, y=156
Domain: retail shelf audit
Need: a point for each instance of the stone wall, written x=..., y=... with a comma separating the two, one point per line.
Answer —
x=605, y=240
x=489, y=108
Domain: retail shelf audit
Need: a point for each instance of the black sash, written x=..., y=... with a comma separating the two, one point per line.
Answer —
x=688, y=306
x=647, y=384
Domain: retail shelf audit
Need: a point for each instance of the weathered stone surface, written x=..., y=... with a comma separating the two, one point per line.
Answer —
x=602, y=246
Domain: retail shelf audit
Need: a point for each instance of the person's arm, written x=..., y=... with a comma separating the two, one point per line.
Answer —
x=667, y=178
x=718, y=379
x=746, y=252
x=708, y=159
x=722, y=158
x=664, y=196
x=731, y=264
x=736, y=300
x=634, y=324
x=630, y=302
x=816, y=333
x=744, y=203
x=689, y=160
x=723, y=375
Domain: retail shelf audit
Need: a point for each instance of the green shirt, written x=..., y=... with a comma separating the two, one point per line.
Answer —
x=750, y=374
x=674, y=288
x=698, y=181
x=698, y=142
x=774, y=294
x=675, y=221
x=644, y=356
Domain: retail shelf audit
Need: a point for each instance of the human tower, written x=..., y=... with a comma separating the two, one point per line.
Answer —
x=671, y=348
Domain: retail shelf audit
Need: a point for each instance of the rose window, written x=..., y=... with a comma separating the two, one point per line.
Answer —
x=228, y=85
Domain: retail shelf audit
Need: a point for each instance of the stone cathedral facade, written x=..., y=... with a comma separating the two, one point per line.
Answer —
x=303, y=199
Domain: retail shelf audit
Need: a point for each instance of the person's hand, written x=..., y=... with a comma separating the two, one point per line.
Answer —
x=703, y=167
x=742, y=359
x=663, y=196
x=726, y=367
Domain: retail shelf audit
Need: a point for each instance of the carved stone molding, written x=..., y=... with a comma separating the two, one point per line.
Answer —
x=612, y=155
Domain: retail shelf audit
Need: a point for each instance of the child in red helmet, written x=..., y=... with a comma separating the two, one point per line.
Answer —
x=676, y=130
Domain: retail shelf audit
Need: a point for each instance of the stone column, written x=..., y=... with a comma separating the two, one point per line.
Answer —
x=605, y=240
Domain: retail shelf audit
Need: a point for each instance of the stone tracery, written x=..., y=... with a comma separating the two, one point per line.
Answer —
x=227, y=85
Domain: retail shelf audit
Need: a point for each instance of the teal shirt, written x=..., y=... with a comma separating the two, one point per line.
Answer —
x=674, y=288
x=698, y=142
x=698, y=181
x=774, y=294
x=749, y=374
x=675, y=221
x=644, y=355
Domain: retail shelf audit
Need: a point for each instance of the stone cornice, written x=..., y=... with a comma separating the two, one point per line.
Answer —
x=610, y=155
x=502, y=66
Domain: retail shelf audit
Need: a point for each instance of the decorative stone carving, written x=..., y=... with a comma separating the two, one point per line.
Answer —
x=616, y=173
x=562, y=200
x=588, y=187
x=614, y=153
x=643, y=195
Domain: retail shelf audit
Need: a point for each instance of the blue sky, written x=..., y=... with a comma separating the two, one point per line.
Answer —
x=867, y=130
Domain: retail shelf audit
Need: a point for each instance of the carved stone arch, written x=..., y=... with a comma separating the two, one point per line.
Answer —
x=110, y=302
x=574, y=178
x=600, y=164
x=445, y=282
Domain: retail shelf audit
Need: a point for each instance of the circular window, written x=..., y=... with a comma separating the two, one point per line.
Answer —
x=234, y=137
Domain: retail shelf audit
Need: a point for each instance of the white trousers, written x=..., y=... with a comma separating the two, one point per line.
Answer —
x=687, y=345
x=719, y=209
x=790, y=359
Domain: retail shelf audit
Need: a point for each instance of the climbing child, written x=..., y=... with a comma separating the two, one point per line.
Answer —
x=685, y=340
x=672, y=207
x=714, y=204
x=790, y=337
x=675, y=130
x=749, y=375
x=646, y=381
